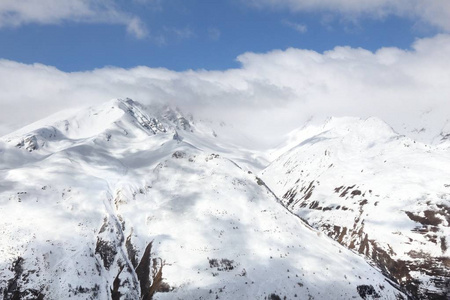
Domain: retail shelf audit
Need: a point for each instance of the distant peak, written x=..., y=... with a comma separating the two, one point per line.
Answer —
x=127, y=116
x=130, y=102
x=139, y=113
x=125, y=104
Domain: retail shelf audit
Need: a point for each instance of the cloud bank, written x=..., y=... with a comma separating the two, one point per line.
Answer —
x=270, y=94
x=433, y=12
x=14, y=13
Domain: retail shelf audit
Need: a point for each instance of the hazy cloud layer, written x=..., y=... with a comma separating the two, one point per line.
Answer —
x=15, y=13
x=433, y=12
x=269, y=94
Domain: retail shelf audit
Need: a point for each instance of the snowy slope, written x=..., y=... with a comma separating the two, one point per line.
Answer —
x=120, y=202
x=376, y=192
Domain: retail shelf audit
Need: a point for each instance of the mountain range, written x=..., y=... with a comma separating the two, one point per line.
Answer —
x=127, y=201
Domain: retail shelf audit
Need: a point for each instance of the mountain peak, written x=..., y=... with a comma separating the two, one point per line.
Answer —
x=124, y=117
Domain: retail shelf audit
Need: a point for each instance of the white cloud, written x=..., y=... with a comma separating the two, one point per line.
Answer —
x=136, y=27
x=269, y=95
x=302, y=28
x=434, y=12
x=15, y=13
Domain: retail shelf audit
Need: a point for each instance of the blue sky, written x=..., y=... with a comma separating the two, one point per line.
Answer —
x=198, y=34
x=241, y=61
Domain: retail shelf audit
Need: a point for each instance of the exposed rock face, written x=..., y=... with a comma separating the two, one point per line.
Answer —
x=30, y=143
x=16, y=286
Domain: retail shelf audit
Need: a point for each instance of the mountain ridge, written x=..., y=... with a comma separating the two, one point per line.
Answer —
x=367, y=190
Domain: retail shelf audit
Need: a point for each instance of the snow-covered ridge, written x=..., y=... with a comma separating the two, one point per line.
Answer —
x=112, y=117
x=123, y=202
x=377, y=192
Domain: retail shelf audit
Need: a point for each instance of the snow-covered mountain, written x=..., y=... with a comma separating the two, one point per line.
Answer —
x=381, y=194
x=122, y=201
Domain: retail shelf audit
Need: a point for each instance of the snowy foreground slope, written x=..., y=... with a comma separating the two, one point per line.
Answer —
x=383, y=195
x=120, y=202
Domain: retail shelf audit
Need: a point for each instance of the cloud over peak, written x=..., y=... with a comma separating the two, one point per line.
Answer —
x=270, y=94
